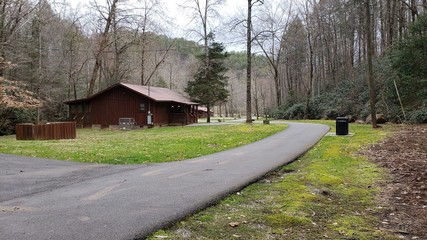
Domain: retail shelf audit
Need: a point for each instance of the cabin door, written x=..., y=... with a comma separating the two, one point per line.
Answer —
x=142, y=115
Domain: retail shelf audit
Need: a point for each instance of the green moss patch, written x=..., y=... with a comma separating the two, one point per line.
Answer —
x=329, y=193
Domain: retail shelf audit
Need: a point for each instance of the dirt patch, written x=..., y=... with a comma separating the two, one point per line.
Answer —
x=405, y=193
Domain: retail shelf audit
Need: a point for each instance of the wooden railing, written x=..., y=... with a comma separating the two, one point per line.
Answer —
x=79, y=120
x=49, y=131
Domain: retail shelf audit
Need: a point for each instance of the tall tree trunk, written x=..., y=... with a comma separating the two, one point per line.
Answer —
x=208, y=107
x=309, y=86
x=402, y=19
x=383, y=21
x=143, y=42
x=103, y=44
x=2, y=32
x=371, y=85
x=249, y=64
x=392, y=26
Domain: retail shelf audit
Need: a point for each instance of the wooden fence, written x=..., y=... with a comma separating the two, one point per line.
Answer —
x=49, y=131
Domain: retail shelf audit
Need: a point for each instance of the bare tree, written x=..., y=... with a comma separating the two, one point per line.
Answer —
x=13, y=14
x=203, y=11
x=268, y=32
x=148, y=13
x=371, y=86
x=104, y=42
x=310, y=37
x=249, y=41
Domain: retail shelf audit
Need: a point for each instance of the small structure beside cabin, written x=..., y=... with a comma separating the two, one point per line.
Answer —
x=202, y=112
x=147, y=105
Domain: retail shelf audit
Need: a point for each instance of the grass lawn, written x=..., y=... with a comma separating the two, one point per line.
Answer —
x=329, y=193
x=141, y=146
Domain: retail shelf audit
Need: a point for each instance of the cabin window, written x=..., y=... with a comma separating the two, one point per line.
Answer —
x=142, y=107
x=176, y=109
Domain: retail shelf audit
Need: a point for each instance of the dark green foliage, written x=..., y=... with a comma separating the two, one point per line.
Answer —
x=406, y=69
x=295, y=111
x=347, y=98
x=332, y=114
x=236, y=61
x=209, y=83
x=289, y=112
x=418, y=116
x=10, y=117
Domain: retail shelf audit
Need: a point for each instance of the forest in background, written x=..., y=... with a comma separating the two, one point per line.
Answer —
x=310, y=59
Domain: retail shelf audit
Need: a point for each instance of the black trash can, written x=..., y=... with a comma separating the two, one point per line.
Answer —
x=342, y=126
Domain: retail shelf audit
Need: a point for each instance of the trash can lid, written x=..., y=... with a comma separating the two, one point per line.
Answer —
x=342, y=118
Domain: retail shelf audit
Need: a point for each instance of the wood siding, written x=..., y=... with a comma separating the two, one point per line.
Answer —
x=106, y=109
x=50, y=131
x=120, y=102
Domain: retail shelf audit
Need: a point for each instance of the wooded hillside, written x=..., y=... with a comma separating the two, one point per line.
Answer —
x=310, y=60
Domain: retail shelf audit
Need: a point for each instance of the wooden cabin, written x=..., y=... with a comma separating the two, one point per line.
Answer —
x=122, y=100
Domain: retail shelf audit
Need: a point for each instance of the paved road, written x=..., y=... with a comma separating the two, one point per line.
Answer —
x=45, y=199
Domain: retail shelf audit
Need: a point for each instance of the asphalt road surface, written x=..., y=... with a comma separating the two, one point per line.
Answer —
x=48, y=199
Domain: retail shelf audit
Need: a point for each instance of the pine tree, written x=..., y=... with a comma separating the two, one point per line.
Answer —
x=209, y=84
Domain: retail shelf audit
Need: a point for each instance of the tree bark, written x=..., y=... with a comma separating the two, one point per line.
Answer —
x=309, y=86
x=208, y=107
x=204, y=18
x=249, y=64
x=371, y=85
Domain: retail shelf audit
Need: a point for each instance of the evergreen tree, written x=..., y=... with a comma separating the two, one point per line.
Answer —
x=407, y=73
x=209, y=82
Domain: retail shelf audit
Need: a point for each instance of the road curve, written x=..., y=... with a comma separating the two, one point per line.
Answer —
x=81, y=201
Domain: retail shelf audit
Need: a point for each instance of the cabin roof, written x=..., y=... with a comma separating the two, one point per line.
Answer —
x=155, y=93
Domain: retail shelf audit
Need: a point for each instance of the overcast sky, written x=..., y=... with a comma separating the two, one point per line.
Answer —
x=233, y=39
x=181, y=18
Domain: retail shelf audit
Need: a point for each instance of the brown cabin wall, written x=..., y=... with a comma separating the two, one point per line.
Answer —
x=120, y=102
x=107, y=108
x=160, y=113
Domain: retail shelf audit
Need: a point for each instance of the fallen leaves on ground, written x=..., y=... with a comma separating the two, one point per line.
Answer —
x=405, y=193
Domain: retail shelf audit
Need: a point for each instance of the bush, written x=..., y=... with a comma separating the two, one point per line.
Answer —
x=418, y=116
x=332, y=114
x=10, y=117
x=295, y=112
x=315, y=111
x=279, y=113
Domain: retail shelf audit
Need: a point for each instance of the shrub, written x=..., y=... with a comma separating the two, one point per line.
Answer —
x=288, y=112
x=418, y=116
x=295, y=112
x=315, y=111
x=10, y=117
x=331, y=114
